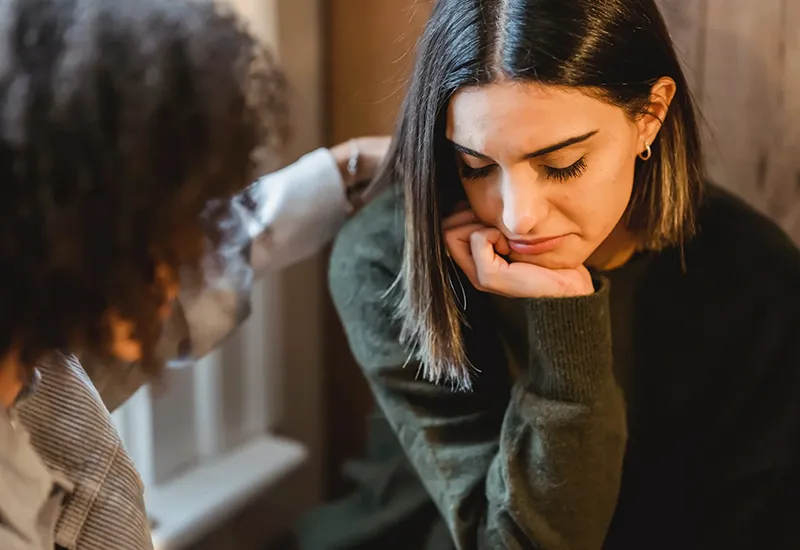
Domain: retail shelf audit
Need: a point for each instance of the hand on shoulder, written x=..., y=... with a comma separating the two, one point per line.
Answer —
x=360, y=158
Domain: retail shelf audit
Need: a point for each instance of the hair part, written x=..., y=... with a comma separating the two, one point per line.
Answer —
x=576, y=44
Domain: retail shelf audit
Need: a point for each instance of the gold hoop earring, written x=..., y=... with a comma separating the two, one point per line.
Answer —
x=647, y=153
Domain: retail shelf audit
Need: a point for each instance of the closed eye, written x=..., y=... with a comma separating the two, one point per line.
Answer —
x=574, y=170
x=469, y=173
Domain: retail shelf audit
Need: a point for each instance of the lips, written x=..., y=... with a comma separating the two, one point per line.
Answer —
x=536, y=246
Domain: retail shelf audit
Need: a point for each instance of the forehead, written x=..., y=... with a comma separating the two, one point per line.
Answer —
x=535, y=114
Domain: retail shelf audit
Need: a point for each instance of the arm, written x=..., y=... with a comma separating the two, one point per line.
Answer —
x=283, y=218
x=536, y=463
x=297, y=211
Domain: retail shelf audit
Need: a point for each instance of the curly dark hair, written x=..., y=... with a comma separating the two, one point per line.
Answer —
x=120, y=122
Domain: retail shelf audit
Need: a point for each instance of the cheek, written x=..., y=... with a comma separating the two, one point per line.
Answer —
x=599, y=201
x=621, y=187
x=124, y=346
x=484, y=201
x=172, y=294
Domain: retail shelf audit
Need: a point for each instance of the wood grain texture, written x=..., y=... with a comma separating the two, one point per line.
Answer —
x=788, y=187
x=685, y=20
x=743, y=62
x=369, y=54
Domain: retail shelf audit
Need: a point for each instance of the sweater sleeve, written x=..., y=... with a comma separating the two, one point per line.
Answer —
x=533, y=463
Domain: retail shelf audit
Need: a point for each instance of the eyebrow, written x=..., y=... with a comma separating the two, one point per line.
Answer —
x=539, y=153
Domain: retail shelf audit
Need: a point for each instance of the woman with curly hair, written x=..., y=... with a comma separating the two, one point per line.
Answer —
x=130, y=133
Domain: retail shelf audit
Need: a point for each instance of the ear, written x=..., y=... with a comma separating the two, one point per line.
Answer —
x=650, y=122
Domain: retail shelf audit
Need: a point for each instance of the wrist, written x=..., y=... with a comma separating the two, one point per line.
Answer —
x=581, y=288
x=572, y=283
x=349, y=161
x=342, y=155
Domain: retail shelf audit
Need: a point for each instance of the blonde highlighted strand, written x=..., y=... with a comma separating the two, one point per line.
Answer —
x=433, y=331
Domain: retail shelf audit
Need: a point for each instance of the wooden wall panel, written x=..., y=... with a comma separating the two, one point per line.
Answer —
x=685, y=19
x=742, y=58
x=369, y=53
x=786, y=204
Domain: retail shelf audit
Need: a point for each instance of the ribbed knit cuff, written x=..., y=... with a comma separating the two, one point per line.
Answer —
x=570, y=345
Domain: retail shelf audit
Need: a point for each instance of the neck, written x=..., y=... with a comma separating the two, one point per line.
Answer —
x=11, y=379
x=616, y=250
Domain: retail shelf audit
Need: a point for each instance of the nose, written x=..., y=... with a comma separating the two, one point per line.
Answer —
x=524, y=204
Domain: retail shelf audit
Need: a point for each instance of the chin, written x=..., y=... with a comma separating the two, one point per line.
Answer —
x=550, y=260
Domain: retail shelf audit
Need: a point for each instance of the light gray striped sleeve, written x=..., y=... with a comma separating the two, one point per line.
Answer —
x=73, y=434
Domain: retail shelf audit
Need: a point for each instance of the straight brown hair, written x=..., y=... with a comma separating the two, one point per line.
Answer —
x=613, y=49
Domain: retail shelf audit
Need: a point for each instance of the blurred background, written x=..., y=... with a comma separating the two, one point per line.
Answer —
x=234, y=449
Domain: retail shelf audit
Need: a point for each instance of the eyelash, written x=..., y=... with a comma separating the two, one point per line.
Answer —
x=575, y=170
x=470, y=173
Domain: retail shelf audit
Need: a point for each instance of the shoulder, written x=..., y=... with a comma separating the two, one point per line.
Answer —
x=365, y=263
x=368, y=252
x=743, y=243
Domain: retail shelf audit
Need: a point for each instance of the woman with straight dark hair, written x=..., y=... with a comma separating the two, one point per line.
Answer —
x=594, y=348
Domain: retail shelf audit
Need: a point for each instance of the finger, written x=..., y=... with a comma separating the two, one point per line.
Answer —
x=501, y=245
x=499, y=242
x=458, y=246
x=459, y=236
x=460, y=218
x=485, y=257
x=373, y=147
